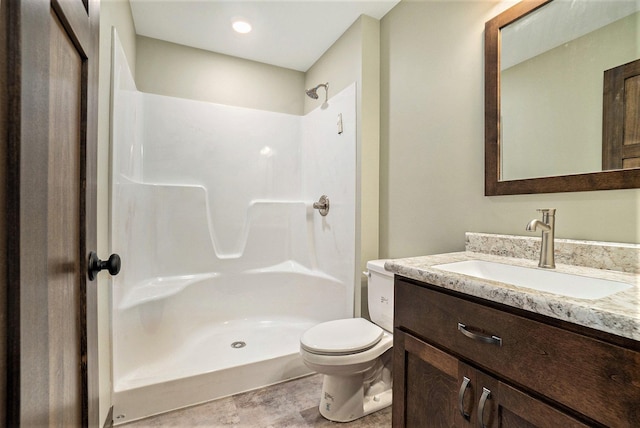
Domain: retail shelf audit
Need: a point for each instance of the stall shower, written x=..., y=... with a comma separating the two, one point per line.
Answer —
x=225, y=262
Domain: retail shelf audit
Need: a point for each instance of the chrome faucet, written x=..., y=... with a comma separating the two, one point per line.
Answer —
x=548, y=235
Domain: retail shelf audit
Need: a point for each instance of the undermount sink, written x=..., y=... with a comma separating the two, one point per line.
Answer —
x=582, y=287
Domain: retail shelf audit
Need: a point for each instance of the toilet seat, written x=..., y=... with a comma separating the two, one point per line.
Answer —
x=341, y=337
x=348, y=364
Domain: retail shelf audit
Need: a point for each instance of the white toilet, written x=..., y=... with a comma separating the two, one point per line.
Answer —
x=355, y=355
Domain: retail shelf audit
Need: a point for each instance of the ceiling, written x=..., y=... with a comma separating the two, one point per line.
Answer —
x=291, y=34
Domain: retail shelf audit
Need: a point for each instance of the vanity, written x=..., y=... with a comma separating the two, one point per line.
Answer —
x=478, y=352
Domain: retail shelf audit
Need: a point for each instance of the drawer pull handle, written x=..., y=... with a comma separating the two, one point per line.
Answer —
x=463, y=390
x=493, y=340
x=486, y=394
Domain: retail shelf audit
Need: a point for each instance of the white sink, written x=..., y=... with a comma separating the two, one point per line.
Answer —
x=582, y=287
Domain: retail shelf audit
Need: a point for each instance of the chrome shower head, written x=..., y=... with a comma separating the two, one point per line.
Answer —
x=313, y=92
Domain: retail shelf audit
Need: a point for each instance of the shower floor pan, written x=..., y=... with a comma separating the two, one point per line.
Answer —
x=236, y=357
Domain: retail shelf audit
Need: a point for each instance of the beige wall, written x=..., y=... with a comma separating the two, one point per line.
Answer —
x=113, y=13
x=169, y=69
x=355, y=57
x=432, y=143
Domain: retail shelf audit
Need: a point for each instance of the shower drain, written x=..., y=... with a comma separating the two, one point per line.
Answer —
x=239, y=344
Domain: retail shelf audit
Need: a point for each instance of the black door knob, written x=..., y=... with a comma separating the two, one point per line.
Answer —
x=112, y=264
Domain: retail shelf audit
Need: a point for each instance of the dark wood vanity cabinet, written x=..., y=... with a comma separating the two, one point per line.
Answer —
x=438, y=390
x=460, y=363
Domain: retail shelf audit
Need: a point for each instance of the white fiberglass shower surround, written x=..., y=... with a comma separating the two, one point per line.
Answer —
x=224, y=260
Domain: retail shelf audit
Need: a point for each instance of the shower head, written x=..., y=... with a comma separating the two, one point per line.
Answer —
x=313, y=92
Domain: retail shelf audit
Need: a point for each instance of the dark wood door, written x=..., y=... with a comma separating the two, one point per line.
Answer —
x=621, y=117
x=52, y=58
x=426, y=386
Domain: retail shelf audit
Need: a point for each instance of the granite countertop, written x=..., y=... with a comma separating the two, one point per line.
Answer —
x=618, y=313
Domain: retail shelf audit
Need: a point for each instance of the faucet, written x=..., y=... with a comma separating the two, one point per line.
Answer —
x=548, y=235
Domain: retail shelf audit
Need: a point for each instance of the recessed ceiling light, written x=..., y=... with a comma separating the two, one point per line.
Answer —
x=241, y=27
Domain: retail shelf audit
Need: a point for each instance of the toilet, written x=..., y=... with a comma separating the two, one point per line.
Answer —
x=355, y=355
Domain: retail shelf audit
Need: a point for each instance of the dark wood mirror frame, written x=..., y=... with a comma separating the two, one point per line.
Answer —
x=605, y=180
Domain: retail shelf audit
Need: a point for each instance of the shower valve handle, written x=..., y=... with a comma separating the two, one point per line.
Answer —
x=112, y=264
x=322, y=205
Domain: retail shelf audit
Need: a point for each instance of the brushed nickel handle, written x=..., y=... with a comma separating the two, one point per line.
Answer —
x=486, y=394
x=322, y=205
x=492, y=340
x=463, y=390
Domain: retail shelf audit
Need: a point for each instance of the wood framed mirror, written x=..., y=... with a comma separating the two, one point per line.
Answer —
x=497, y=181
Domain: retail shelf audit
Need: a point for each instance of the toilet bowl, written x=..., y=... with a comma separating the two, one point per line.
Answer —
x=355, y=355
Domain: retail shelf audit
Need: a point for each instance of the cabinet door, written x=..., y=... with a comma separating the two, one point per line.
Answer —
x=426, y=386
x=502, y=406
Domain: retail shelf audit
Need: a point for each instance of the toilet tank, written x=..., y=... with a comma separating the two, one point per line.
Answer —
x=380, y=294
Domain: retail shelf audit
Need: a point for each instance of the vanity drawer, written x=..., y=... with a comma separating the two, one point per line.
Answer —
x=595, y=378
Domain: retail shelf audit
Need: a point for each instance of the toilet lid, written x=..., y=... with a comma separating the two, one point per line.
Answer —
x=345, y=336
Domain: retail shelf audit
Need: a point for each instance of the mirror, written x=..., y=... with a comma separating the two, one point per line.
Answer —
x=545, y=63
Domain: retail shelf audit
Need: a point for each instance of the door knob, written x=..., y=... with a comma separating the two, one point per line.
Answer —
x=112, y=264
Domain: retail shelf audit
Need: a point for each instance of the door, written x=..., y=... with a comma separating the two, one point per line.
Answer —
x=52, y=57
x=621, y=117
x=428, y=386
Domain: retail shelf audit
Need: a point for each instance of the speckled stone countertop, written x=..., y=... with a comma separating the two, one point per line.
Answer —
x=618, y=313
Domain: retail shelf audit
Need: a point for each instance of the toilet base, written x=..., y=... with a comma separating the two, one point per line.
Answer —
x=344, y=398
x=354, y=385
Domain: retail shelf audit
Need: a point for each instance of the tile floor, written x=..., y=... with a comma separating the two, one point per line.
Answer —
x=292, y=404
